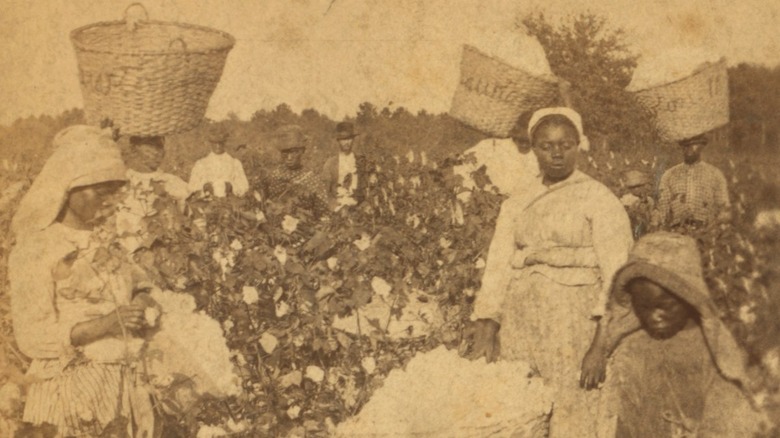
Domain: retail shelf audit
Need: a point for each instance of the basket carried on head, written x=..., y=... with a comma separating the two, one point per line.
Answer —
x=491, y=94
x=149, y=77
x=692, y=105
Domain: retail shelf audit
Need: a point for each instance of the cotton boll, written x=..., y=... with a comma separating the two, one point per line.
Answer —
x=206, y=431
x=293, y=412
x=368, y=364
x=381, y=287
x=268, y=342
x=151, y=314
x=315, y=373
x=250, y=295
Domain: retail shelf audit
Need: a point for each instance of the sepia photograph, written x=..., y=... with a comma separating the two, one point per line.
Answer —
x=407, y=218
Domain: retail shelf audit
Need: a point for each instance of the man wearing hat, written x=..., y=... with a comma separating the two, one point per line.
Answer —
x=291, y=178
x=344, y=173
x=693, y=193
x=218, y=172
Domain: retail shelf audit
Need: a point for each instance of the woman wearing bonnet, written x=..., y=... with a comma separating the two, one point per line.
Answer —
x=548, y=271
x=75, y=302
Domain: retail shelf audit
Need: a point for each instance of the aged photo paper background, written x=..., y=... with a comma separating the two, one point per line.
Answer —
x=334, y=55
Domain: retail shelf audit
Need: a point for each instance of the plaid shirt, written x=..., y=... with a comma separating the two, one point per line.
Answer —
x=282, y=181
x=692, y=192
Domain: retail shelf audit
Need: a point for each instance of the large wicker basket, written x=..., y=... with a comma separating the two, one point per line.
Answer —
x=149, y=77
x=491, y=94
x=690, y=106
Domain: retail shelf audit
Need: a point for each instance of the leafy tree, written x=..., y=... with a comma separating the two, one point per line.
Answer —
x=595, y=59
x=754, y=107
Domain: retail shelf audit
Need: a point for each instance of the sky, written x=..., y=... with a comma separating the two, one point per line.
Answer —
x=332, y=55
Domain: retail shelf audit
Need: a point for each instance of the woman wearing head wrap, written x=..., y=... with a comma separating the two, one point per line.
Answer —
x=548, y=271
x=73, y=308
x=681, y=374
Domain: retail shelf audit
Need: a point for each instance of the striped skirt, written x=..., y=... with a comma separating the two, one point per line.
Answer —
x=84, y=399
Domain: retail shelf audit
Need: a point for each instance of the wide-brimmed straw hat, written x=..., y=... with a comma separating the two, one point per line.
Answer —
x=345, y=131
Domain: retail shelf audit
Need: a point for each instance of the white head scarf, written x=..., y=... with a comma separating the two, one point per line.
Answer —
x=569, y=113
x=83, y=155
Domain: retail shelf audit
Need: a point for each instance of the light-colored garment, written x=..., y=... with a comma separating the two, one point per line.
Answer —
x=692, y=192
x=576, y=229
x=219, y=169
x=348, y=173
x=687, y=383
x=547, y=275
x=54, y=286
x=56, y=281
x=509, y=171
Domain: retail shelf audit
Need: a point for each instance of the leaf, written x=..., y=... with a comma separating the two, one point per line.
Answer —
x=374, y=322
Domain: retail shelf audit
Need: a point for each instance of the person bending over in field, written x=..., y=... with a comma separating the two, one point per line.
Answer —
x=692, y=194
x=681, y=374
x=290, y=179
x=218, y=173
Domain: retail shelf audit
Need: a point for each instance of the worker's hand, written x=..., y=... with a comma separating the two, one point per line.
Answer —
x=481, y=339
x=594, y=368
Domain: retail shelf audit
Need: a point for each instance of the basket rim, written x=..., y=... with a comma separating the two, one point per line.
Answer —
x=712, y=66
x=79, y=45
x=551, y=79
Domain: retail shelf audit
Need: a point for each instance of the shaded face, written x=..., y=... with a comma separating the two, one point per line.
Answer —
x=293, y=158
x=522, y=141
x=555, y=147
x=90, y=204
x=345, y=145
x=692, y=152
x=218, y=148
x=150, y=155
x=661, y=313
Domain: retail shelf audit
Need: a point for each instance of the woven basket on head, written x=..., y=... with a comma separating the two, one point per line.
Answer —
x=491, y=94
x=690, y=106
x=149, y=77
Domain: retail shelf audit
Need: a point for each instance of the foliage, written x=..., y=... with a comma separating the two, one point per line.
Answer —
x=276, y=276
x=753, y=110
x=596, y=61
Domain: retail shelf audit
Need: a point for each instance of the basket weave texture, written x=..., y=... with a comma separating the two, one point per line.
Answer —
x=152, y=78
x=491, y=94
x=692, y=105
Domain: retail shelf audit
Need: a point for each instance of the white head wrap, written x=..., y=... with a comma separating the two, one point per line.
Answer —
x=569, y=113
x=83, y=155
